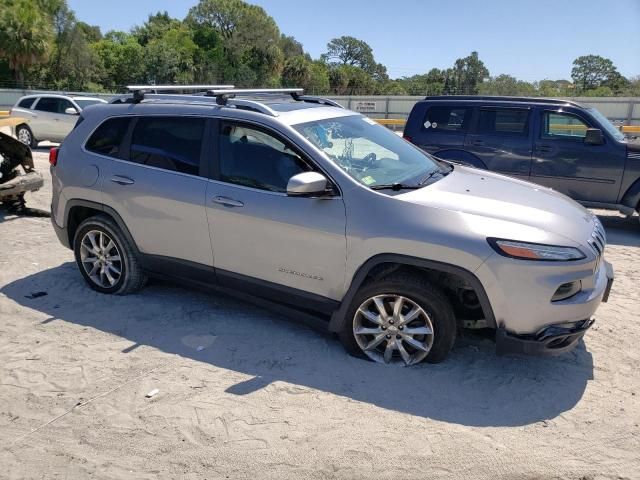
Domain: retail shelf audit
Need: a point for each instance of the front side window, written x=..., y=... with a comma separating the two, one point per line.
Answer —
x=563, y=125
x=497, y=121
x=446, y=119
x=170, y=143
x=53, y=105
x=257, y=159
x=368, y=152
x=107, y=138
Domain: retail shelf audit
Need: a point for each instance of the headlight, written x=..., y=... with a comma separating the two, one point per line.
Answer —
x=535, y=251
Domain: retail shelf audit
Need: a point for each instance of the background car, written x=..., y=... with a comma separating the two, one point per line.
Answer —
x=50, y=117
x=560, y=144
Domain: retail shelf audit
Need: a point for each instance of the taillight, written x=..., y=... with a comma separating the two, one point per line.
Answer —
x=53, y=156
x=407, y=138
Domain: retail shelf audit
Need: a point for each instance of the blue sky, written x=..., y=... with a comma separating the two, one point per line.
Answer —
x=531, y=40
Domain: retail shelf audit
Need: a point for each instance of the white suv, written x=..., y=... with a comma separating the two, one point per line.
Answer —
x=49, y=117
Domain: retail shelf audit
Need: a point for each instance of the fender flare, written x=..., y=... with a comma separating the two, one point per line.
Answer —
x=631, y=197
x=338, y=317
x=103, y=208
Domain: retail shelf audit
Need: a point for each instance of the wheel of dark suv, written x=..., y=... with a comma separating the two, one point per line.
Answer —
x=401, y=319
x=105, y=257
x=25, y=135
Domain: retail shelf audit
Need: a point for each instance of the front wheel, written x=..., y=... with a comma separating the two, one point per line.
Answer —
x=401, y=319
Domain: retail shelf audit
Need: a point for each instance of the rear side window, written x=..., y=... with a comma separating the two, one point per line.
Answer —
x=503, y=120
x=26, y=102
x=170, y=143
x=446, y=119
x=107, y=139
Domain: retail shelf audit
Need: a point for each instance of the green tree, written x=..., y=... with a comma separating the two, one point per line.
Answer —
x=466, y=76
x=169, y=58
x=350, y=51
x=290, y=47
x=593, y=71
x=25, y=36
x=155, y=27
x=506, y=85
x=350, y=80
x=122, y=59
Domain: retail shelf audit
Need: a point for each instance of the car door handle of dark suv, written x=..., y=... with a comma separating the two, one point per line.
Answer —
x=543, y=148
x=477, y=142
x=120, y=180
x=227, y=202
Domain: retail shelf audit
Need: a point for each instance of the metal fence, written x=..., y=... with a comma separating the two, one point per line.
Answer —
x=620, y=110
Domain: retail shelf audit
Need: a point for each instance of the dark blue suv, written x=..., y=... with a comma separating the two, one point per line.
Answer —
x=564, y=145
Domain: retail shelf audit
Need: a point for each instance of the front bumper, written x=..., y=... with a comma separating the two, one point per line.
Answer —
x=550, y=341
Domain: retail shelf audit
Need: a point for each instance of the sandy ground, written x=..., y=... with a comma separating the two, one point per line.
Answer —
x=269, y=398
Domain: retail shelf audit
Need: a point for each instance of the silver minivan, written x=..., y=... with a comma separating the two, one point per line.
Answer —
x=49, y=117
x=302, y=204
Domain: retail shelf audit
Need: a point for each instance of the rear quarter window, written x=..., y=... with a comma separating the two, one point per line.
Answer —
x=499, y=121
x=446, y=119
x=107, y=138
x=26, y=102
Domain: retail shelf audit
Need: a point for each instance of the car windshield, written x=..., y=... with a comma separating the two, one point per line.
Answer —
x=606, y=124
x=369, y=152
x=85, y=103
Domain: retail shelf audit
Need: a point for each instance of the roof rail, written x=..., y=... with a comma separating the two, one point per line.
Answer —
x=498, y=98
x=140, y=90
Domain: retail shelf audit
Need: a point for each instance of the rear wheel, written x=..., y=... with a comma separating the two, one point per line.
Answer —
x=105, y=257
x=25, y=135
x=401, y=319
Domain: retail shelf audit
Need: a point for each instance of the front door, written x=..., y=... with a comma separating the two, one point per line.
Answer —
x=51, y=122
x=502, y=140
x=562, y=161
x=261, y=235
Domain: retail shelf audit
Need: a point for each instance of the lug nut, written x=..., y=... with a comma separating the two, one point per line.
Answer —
x=391, y=322
x=388, y=336
x=398, y=337
x=384, y=328
x=400, y=327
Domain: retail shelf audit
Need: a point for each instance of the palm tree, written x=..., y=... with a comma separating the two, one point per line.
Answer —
x=25, y=36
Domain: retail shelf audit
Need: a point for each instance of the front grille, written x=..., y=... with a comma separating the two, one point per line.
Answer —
x=598, y=240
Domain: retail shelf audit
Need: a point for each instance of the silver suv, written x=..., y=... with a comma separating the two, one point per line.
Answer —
x=298, y=202
x=49, y=117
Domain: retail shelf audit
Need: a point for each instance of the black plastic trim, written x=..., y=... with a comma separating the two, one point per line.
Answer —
x=548, y=342
x=339, y=316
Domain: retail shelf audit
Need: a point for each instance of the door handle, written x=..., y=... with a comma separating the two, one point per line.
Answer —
x=120, y=180
x=543, y=148
x=227, y=202
x=477, y=142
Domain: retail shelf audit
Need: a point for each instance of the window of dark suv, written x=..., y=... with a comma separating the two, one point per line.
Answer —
x=498, y=121
x=107, y=138
x=170, y=143
x=446, y=118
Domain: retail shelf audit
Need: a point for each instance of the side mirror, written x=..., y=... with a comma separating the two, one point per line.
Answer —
x=71, y=111
x=307, y=184
x=594, y=137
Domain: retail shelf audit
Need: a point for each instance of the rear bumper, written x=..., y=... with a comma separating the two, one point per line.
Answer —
x=550, y=341
x=61, y=233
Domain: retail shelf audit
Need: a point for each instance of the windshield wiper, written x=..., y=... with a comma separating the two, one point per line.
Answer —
x=394, y=186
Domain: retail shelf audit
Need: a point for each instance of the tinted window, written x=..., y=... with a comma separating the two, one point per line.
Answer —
x=563, y=125
x=27, y=102
x=85, y=103
x=171, y=143
x=107, y=138
x=503, y=120
x=257, y=159
x=452, y=119
x=53, y=105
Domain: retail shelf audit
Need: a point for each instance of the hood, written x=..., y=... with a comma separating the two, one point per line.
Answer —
x=493, y=196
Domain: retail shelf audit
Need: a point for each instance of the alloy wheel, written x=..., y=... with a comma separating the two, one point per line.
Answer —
x=24, y=135
x=392, y=328
x=101, y=258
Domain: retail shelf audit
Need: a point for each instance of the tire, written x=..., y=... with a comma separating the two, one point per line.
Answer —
x=436, y=316
x=116, y=269
x=25, y=135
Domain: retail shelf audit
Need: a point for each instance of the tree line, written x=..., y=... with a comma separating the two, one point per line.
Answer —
x=44, y=45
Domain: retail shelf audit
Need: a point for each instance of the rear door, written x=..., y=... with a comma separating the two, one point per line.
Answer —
x=502, y=139
x=50, y=121
x=562, y=161
x=442, y=128
x=156, y=184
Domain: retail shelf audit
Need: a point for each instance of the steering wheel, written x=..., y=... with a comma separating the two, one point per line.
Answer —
x=369, y=159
